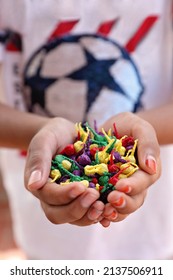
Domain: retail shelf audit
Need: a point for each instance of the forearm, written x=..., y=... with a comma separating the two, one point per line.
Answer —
x=17, y=128
x=162, y=120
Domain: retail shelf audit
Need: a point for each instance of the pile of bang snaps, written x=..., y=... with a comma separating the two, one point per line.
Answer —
x=98, y=159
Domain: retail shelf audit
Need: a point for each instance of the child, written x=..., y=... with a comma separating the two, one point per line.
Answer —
x=84, y=62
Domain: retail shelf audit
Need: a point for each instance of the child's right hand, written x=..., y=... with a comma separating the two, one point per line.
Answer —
x=73, y=203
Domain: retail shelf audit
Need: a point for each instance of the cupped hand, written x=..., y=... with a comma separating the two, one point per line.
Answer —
x=73, y=203
x=130, y=192
x=76, y=204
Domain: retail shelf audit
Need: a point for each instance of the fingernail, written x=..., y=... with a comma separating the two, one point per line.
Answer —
x=113, y=216
x=94, y=214
x=108, y=211
x=99, y=219
x=151, y=163
x=124, y=189
x=34, y=177
x=87, y=200
x=120, y=202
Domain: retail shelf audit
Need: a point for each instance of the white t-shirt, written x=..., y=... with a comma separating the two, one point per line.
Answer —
x=87, y=60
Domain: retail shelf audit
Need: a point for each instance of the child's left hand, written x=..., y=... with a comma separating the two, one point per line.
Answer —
x=130, y=192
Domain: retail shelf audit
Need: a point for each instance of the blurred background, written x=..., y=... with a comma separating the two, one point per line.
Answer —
x=8, y=248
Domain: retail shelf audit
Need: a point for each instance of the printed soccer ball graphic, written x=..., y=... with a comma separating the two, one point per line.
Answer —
x=82, y=77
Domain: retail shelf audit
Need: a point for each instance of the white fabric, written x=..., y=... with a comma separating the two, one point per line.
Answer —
x=147, y=233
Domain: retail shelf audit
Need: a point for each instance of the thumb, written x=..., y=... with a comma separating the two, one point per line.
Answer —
x=148, y=149
x=38, y=162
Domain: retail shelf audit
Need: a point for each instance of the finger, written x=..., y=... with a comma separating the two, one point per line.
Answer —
x=55, y=194
x=110, y=212
x=38, y=164
x=148, y=150
x=148, y=147
x=126, y=204
x=136, y=183
x=106, y=222
x=73, y=211
x=50, y=139
x=95, y=211
x=93, y=215
x=109, y=215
